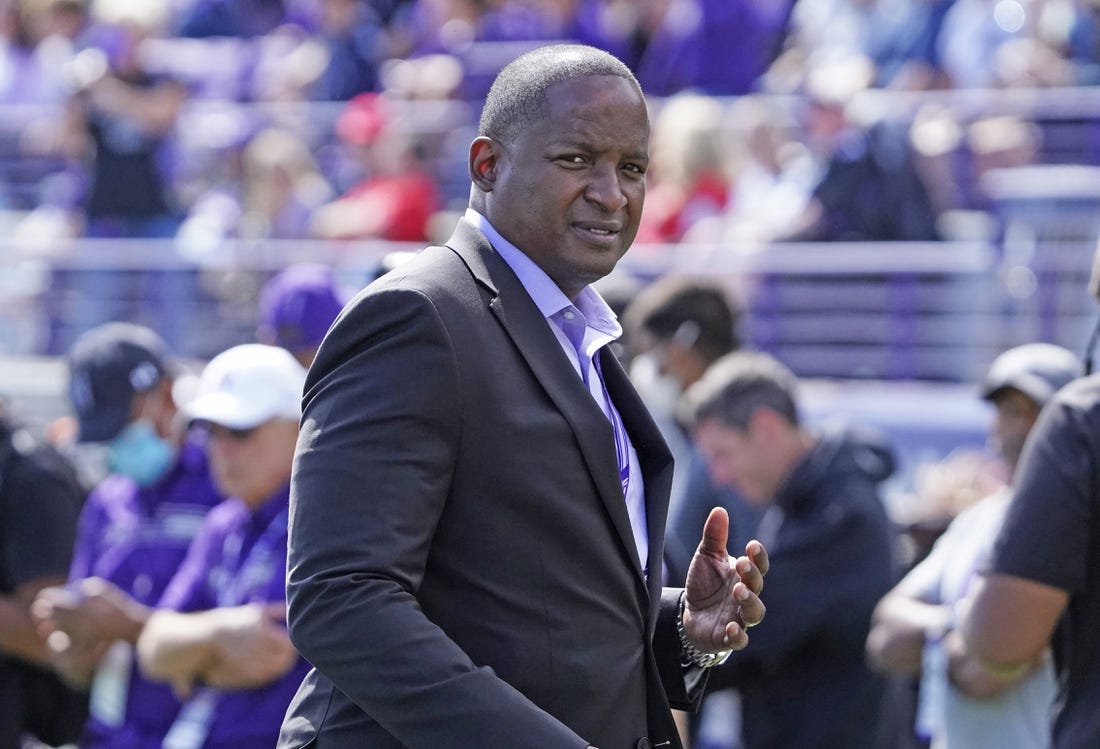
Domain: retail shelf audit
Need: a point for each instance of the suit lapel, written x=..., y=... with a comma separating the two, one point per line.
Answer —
x=654, y=456
x=513, y=307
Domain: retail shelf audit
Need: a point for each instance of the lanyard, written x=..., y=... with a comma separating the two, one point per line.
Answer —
x=622, y=447
x=235, y=579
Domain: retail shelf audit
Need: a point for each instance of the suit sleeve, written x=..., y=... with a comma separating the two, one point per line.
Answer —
x=380, y=431
x=684, y=687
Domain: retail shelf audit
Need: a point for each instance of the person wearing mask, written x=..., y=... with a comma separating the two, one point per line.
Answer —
x=677, y=327
x=913, y=632
x=134, y=529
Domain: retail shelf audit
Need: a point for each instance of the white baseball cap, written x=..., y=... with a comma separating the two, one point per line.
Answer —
x=247, y=385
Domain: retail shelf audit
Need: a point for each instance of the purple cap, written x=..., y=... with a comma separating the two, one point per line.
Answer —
x=298, y=305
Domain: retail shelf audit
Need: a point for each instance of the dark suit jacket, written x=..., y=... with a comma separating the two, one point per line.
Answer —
x=461, y=570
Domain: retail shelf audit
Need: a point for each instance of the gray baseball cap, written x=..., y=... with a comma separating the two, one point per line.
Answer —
x=1038, y=370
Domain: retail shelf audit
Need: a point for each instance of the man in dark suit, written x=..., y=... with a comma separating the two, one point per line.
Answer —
x=479, y=495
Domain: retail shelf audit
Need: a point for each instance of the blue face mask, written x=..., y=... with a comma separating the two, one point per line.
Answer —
x=140, y=453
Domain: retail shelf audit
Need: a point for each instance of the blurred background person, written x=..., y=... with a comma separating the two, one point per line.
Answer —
x=676, y=327
x=824, y=520
x=771, y=171
x=119, y=124
x=913, y=632
x=868, y=187
x=40, y=498
x=134, y=530
x=688, y=45
x=297, y=306
x=37, y=40
x=273, y=197
x=395, y=195
x=218, y=635
x=120, y=118
x=1040, y=587
x=687, y=182
x=355, y=44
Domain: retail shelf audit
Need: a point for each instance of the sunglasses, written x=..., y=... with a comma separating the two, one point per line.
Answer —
x=217, y=431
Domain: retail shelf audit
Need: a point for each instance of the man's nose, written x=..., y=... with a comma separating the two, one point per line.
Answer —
x=605, y=189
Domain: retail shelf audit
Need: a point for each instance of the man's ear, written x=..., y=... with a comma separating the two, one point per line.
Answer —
x=483, y=163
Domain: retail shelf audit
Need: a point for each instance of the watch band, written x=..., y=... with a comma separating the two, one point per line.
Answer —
x=691, y=655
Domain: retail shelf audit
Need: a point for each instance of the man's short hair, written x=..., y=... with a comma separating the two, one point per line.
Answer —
x=518, y=95
x=739, y=384
x=696, y=312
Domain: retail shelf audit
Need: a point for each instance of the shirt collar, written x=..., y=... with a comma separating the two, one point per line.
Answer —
x=550, y=299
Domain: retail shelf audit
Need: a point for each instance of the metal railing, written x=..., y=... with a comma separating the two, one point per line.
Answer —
x=927, y=310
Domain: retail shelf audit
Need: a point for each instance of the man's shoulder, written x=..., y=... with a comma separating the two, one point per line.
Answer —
x=29, y=461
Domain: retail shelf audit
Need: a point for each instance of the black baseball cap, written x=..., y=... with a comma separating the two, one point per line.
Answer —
x=108, y=365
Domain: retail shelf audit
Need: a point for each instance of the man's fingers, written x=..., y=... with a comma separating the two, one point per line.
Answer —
x=755, y=551
x=749, y=574
x=750, y=609
x=736, y=637
x=715, y=533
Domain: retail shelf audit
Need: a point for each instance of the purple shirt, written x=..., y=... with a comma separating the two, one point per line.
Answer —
x=239, y=557
x=136, y=538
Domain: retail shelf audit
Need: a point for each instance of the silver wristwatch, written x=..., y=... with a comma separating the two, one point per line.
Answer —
x=691, y=655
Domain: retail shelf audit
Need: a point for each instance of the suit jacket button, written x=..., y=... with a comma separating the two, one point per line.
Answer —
x=643, y=743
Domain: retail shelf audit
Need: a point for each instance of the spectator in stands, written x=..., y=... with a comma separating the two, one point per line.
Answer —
x=119, y=123
x=1019, y=45
x=772, y=174
x=689, y=46
x=899, y=38
x=687, y=181
x=231, y=18
x=869, y=188
x=134, y=530
x=903, y=42
x=120, y=119
x=40, y=498
x=396, y=196
x=355, y=43
x=297, y=307
x=37, y=41
x=218, y=634
x=280, y=188
x=1040, y=588
x=914, y=633
x=482, y=36
x=823, y=520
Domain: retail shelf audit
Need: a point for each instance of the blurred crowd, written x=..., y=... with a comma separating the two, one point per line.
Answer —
x=197, y=122
x=756, y=135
